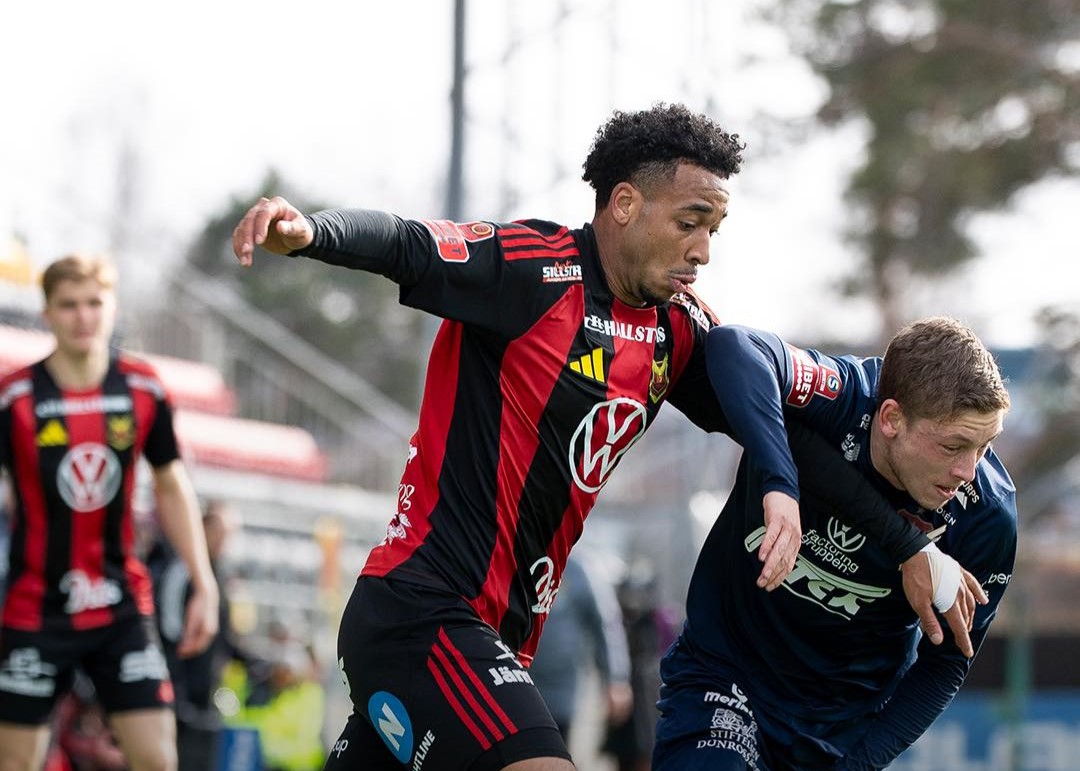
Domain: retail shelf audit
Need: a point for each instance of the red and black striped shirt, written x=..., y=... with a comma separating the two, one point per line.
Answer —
x=539, y=380
x=72, y=458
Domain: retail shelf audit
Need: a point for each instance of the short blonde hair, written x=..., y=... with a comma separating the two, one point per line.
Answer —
x=78, y=267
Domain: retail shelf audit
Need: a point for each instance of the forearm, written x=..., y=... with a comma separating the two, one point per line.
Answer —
x=923, y=694
x=359, y=239
x=178, y=515
x=827, y=476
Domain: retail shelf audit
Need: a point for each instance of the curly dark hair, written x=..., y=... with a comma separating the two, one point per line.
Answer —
x=642, y=147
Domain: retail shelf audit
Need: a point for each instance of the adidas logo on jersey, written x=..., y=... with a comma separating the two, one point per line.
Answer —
x=591, y=365
x=52, y=434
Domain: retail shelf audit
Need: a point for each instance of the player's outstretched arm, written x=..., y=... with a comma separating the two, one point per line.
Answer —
x=275, y=225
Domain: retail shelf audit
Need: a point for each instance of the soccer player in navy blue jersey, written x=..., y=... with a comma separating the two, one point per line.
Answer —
x=558, y=348
x=830, y=672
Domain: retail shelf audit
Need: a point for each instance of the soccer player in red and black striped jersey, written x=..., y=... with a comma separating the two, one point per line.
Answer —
x=558, y=348
x=72, y=430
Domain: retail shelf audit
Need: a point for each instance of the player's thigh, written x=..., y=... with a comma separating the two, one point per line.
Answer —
x=22, y=748
x=128, y=668
x=438, y=687
x=147, y=738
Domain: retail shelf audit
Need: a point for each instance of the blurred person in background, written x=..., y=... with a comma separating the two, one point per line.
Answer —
x=290, y=719
x=72, y=430
x=584, y=626
x=81, y=738
x=650, y=627
x=196, y=678
x=557, y=350
x=832, y=672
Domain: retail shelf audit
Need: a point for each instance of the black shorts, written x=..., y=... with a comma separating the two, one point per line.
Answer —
x=433, y=686
x=123, y=660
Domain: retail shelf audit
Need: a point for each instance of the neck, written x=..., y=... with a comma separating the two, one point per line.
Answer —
x=78, y=372
x=605, y=249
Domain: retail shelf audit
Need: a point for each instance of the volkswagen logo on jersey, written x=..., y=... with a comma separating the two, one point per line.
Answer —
x=88, y=477
x=608, y=431
x=392, y=722
x=843, y=537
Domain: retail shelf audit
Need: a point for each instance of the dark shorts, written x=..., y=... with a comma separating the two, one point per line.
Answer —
x=708, y=722
x=433, y=686
x=123, y=660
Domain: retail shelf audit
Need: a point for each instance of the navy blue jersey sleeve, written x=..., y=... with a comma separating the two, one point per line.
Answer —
x=744, y=376
x=459, y=271
x=927, y=688
x=693, y=396
x=754, y=374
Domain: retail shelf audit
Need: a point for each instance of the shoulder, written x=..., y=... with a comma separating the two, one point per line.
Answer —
x=982, y=516
x=536, y=239
x=542, y=254
x=140, y=374
x=994, y=494
x=14, y=385
x=688, y=306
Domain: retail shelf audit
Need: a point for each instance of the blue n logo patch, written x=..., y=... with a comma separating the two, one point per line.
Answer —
x=392, y=722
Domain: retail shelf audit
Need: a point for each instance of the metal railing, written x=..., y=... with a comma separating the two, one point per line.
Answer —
x=280, y=378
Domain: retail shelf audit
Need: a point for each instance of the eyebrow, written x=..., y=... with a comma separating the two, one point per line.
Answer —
x=701, y=208
x=961, y=439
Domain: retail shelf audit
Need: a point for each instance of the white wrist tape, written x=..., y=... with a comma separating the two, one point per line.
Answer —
x=945, y=576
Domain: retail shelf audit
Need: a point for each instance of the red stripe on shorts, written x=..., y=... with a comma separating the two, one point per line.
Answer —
x=458, y=707
x=480, y=687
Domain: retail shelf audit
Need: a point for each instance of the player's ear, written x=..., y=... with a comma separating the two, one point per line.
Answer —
x=624, y=202
x=890, y=418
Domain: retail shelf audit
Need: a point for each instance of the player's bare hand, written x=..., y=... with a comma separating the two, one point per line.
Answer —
x=922, y=584
x=783, y=536
x=200, y=623
x=961, y=616
x=918, y=584
x=275, y=225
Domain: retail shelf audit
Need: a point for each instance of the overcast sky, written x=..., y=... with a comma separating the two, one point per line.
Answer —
x=350, y=103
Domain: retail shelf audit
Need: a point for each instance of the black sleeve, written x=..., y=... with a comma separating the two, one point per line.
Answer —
x=160, y=448
x=824, y=474
x=457, y=271
x=362, y=239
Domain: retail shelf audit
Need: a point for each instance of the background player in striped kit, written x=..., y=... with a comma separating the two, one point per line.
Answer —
x=72, y=430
